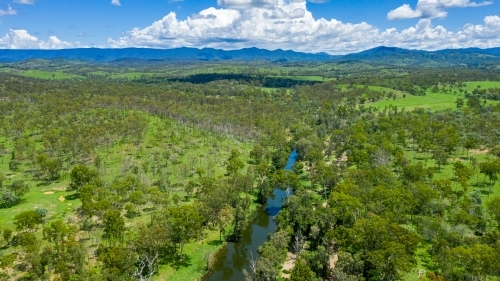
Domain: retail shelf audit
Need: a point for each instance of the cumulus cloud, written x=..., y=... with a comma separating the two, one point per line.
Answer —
x=28, y=2
x=116, y=2
x=21, y=39
x=289, y=25
x=431, y=9
x=244, y=4
x=8, y=12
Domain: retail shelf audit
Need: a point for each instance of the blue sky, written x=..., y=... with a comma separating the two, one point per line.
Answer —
x=335, y=26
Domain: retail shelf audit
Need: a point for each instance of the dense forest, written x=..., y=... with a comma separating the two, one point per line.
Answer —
x=145, y=174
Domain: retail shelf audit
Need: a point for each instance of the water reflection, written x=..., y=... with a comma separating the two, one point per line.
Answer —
x=233, y=257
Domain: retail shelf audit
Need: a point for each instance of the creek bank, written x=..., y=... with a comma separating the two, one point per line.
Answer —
x=233, y=258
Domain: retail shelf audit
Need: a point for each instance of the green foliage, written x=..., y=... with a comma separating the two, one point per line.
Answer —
x=118, y=262
x=82, y=175
x=7, y=234
x=184, y=224
x=27, y=221
x=493, y=207
x=114, y=225
x=302, y=272
x=234, y=164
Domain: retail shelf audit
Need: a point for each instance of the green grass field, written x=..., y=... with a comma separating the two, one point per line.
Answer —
x=57, y=75
x=433, y=101
x=307, y=78
x=470, y=86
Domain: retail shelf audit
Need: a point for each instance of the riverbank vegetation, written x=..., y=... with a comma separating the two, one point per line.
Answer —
x=135, y=172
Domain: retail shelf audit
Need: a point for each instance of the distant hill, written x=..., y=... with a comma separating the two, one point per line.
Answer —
x=208, y=54
x=385, y=55
x=447, y=57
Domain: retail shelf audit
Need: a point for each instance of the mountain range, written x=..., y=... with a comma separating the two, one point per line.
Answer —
x=386, y=55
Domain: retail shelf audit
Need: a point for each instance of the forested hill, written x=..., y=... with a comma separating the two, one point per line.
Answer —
x=385, y=55
x=107, y=55
x=447, y=57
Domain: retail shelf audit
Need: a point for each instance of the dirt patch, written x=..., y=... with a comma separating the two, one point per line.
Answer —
x=289, y=264
x=333, y=260
x=48, y=192
x=61, y=198
x=478, y=151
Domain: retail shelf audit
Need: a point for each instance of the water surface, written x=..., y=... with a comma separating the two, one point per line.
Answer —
x=233, y=257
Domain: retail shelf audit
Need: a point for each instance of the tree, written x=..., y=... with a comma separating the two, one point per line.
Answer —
x=2, y=179
x=440, y=156
x=19, y=187
x=443, y=186
x=258, y=154
x=27, y=221
x=490, y=169
x=302, y=272
x=82, y=175
x=137, y=198
x=347, y=209
x=184, y=223
x=493, y=207
x=234, y=164
x=114, y=225
x=118, y=262
x=348, y=267
x=462, y=173
x=8, y=199
x=471, y=142
x=389, y=261
x=7, y=235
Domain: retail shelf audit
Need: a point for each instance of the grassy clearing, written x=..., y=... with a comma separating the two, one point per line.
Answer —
x=422, y=258
x=479, y=182
x=433, y=101
x=307, y=78
x=57, y=75
x=470, y=86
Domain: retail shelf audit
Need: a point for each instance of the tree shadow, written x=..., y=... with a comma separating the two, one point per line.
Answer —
x=215, y=242
x=73, y=196
x=484, y=192
x=176, y=262
x=43, y=183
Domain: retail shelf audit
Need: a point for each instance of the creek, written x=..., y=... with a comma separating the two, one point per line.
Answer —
x=233, y=258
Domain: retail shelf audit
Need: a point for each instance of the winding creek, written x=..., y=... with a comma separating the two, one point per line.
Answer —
x=233, y=258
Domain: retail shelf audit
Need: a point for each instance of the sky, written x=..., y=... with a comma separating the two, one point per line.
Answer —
x=331, y=26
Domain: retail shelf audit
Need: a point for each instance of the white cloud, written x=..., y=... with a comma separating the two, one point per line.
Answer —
x=21, y=39
x=431, y=9
x=403, y=12
x=289, y=25
x=8, y=12
x=28, y=2
x=116, y=2
x=244, y=4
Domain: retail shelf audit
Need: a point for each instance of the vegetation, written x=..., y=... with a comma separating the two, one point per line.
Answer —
x=140, y=171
